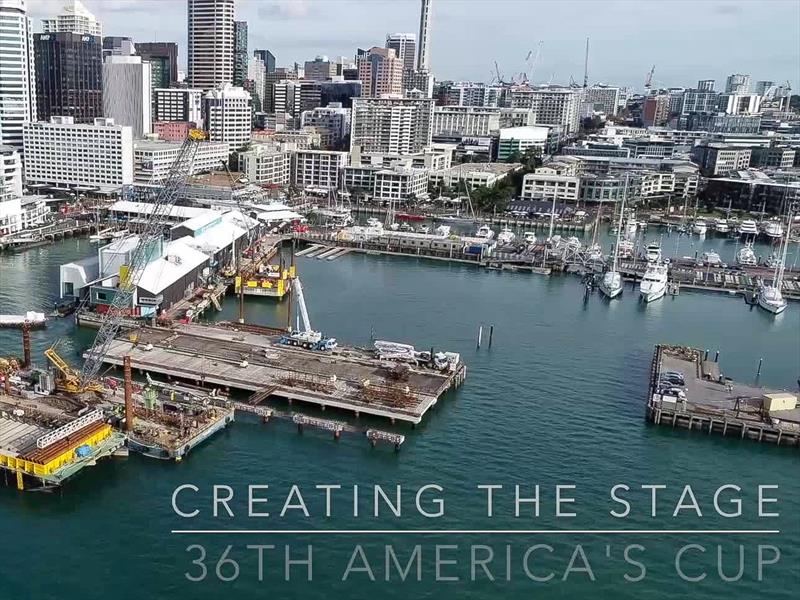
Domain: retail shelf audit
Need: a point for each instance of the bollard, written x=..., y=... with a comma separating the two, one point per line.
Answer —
x=480, y=335
x=760, y=361
x=491, y=334
x=716, y=358
x=705, y=356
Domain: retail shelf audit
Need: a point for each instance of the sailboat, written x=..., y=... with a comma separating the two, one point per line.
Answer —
x=770, y=297
x=611, y=283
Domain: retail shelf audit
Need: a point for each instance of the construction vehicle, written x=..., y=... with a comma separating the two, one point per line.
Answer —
x=150, y=237
x=306, y=337
x=70, y=381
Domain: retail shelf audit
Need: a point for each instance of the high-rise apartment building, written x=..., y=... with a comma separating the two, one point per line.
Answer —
x=466, y=121
x=737, y=84
x=65, y=154
x=178, y=105
x=697, y=101
x=656, y=110
x=380, y=72
x=391, y=125
x=405, y=46
x=17, y=84
x=331, y=122
x=549, y=106
x=76, y=18
x=256, y=74
x=240, y=54
x=763, y=86
x=69, y=76
x=603, y=98
x=228, y=116
x=211, y=43
x=163, y=59
x=127, y=92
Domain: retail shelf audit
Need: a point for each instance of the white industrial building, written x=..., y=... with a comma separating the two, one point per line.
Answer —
x=63, y=154
x=228, y=116
x=127, y=95
x=266, y=163
x=318, y=169
x=17, y=84
x=392, y=125
x=153, y=158
x=210, y=43
x=178, y=104
x=467, y=121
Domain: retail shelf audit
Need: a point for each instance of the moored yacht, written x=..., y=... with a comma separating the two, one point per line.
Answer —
x=485, y=232
x=711, y=258
x=653, y=253
x=654, y=282
x=442, y=230
x=721, y=226
x=700, y=227
x=611, y=282
x=770, y=297
x=748, y=227
x=746, y=257
x=773, y=229
x=506, y=236
x=529, y=237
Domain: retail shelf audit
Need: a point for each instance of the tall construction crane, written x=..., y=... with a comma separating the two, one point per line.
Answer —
x=149, y=240
x=304, y=336
x=648, y=82
x=531, y=60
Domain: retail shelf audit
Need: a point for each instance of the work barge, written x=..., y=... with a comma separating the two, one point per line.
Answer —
x=716, y=404
x=252, y=358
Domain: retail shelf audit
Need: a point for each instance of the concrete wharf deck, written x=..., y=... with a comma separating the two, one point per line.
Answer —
x=347, y=378
x=727, y=408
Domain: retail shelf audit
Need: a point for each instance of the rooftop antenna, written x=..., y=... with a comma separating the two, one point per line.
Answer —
x=586, y=66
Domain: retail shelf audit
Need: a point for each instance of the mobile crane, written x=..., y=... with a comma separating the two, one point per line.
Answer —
x=306, y=337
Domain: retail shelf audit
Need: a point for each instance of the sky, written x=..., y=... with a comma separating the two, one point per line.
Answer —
x=686, y=40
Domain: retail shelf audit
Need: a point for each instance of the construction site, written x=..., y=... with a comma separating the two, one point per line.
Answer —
x=56, y=419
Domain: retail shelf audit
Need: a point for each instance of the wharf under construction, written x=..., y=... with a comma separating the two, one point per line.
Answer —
x=257, y=359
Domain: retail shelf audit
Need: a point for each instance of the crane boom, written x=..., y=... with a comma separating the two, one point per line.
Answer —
x=301, y=302
x=141, y=256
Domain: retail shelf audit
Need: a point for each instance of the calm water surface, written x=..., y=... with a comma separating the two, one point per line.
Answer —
x=558, y=399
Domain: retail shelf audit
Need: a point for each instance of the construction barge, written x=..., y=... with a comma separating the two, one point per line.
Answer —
x=257, y=359
x=709, y=402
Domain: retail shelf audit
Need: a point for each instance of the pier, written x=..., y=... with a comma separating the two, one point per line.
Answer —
x=716, y=404
x=253, y=359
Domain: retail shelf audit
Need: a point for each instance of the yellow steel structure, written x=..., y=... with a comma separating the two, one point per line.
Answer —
x=36, y=469
x=280, y=284
x=70, y=381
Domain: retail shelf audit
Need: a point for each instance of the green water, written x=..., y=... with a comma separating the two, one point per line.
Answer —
x=558, y=399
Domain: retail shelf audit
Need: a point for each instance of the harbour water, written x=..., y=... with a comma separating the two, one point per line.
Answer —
x=557, y=399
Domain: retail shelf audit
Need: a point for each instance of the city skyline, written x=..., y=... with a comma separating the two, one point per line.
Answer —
x=298, y=30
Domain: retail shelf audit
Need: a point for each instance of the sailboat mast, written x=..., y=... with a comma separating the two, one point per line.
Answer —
x=619, y=225
x=778, y=281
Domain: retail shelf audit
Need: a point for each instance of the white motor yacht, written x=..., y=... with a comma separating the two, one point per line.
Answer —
x=423, y=229
x=442, y=230
x=485, y=232
x=626, y=248
x=748, y=227
x=506, y=236
x=711, y=258
x=654, y=282
x=529, y=237
x=771, y=299
x=746, y=257
x=721, y=226
x=773, y=229
x=700, y=227
x=653, y=253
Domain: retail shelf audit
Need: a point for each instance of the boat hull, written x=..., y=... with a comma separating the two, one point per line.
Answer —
x=775, y=308
x=652, y=295
x=610, y=292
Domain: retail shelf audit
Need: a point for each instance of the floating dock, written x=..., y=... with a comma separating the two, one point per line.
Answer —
x=715, y=404
x=251, y=358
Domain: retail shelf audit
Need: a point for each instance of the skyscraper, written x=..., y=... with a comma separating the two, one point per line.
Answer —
x=163, y=59
x=76, y=18
x=268, y=59
x=240, y=54
x=424, y=36
x=705, y=85
x=380, y=72
x=211, y=43
x=127, y=92
x=17, y=84
x=228, y=116
x=405, y=45
x=69, y=76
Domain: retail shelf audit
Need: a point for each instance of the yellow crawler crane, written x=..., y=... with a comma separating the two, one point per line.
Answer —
x=70, y=381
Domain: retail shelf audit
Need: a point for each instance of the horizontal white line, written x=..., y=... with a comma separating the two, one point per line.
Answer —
x=477, y=531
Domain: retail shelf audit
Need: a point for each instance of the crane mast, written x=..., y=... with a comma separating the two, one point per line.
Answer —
x=149, y=239
x=301, y=303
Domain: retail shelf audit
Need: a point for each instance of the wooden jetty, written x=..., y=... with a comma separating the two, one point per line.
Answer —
x=249, y=359
x=715, y=404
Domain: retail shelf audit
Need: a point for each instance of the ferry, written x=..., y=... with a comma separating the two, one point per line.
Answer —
x=654, y=282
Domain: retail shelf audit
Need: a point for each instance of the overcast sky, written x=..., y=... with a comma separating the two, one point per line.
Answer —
x=687, y=40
